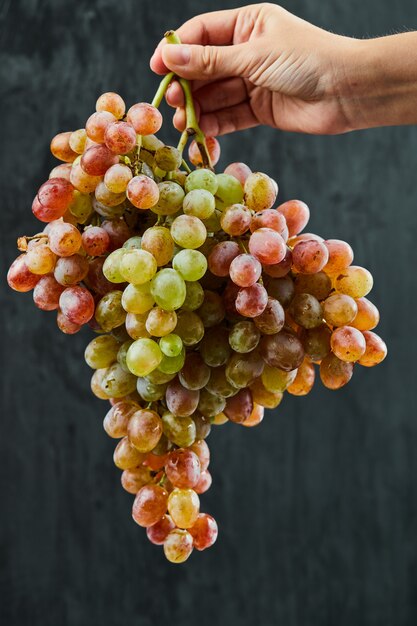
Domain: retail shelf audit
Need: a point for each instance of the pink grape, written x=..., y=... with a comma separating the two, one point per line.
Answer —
x=251, y=301
x=142, y=192
x=221, y=256
x=296, y=214
x=239, y=170
x=19, y=277
x=77, y=304
x=46, y=293
x=61, y=149
x=120, y=137
x=111, y=102
x=64, y=239
x=95, y=241
x=310, y=257
x=145, y=118
x=97, y=125
x=97, y=160
x=213, y=148
x=204, y=531
x=245, y=270
x=267, y=246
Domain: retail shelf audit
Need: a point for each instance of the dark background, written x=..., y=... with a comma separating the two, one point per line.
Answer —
x=317, y=507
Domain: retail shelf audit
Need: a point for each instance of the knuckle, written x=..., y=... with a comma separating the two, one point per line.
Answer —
x=210, y=59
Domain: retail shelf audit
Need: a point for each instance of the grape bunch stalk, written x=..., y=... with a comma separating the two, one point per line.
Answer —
x=208, y=302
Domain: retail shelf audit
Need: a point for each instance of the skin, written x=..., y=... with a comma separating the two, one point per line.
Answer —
x=260, y=64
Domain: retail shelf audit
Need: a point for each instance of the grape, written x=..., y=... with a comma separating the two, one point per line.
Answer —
x=81, y=207
x=96, y=160
x=64, y=239
x=239, y=170
x=375, y=351
x=296, y=215
x=282, y=289
x=126, y=456
x=135, y=325
x=245, y=270
x=191, y=264
x=340, y=255
x=239, y=407
x=272, y=319
x=40, y=259
x=183, y=468
x=255, y=417
x=170, y=200
x=77, y=140
x=117, y=383
x=97, y=125
x=111, y=102
x=109, y=311
x=46, y=293
x=180, y=430
x=157, y=533
x=263, y=397
x=306, y=310
x=150, y=505
x=205, y=481
x=260, y=191
x=229, y=191
x=46, y=214
x=120, y=137
x=61, y=148
x=252, y=301
x=367, y=316
x=142, y=192
x=276, y=380
x=168, y=158
x=199, y=203
x=19, y=277
x=195, y=373
x=158, y=241
x=150, y=392
x=61, y=171
x=304, y=380
x=354, y=281
x=180, y=401
x=244, y=337
x=77, y=304
x=269, y=218
x=201, y=179
x=213, y=148
x=95, y=241
x=172, y=365
x=171, y=345
x=178, y=545
x=134, y=479
x=241, y=370
x=316, y=342
x=69, y=328
x=210, y=404
x=267, y=246
x=84, y=183
x=138, y=298
x=155, y=462
x=118, y=231
x=318, y=285
x=202, y=426
x=283, y=350
x=143, y=356
x=168, y=289
x=188, y=231
x=184, y=507
x=347, y=343
x=160, y=322
x=339, y=309
x=221, y=257
x=309, y=256
x=212, y=310
x=335, y=373
x=117, y=419
x=194, y=296
x=122, y=352
x=108, y=203
x=137, y=266
x=214, y=347
x=204, y=531
x=101, y=351
x=189, y=328
x=57, y=194
x=144, y=430
x=145, y=118
x=116, y=179
x=235, y=220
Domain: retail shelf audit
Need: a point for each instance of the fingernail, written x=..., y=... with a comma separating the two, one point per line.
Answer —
x=176, y=54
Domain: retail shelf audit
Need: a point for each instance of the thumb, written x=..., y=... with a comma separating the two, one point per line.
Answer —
x=207, y=62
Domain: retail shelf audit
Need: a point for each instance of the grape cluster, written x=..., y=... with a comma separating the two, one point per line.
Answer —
x=207, y=302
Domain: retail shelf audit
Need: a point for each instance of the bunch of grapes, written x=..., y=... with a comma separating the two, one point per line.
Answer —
x=207, y=302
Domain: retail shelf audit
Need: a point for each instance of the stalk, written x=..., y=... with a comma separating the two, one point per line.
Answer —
x=163, y=86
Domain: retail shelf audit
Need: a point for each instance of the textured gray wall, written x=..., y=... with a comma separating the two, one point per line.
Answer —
x=318, y=506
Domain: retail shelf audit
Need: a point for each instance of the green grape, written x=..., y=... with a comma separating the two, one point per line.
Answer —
x=213, y=224
x=117, y=383
x=171, y=345
x=219, y=385
x=101, y=351
x=189, y=327
x=260, y=191
x=136, y=325
x=244, y=337
x=180, y=430
x=168, y=289
x=150, y=392
x=188, y=231
x=212, y=310
x=194, y=296
x=195, y=373
x=210, y=404
x=191, y=264
x=214, y=348
x=111, y=266
x=81, y=206
x=122, y=354
x=168, y=158
x=242, y=370
x=151, y=143
x=158, y=241
x=276, y=380
x=201, y=178
x=159, y=378
x=143, y=356
x=171, y=196
x=137, y=266
x=229, y=191
x=172, y=364
x=200, y=203
x=138, y=298
x=109, y=311
x=133, y=243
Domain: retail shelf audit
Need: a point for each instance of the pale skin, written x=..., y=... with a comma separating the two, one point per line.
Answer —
x=260, y=64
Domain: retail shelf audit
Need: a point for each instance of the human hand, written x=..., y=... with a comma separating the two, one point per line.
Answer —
x=259, y=64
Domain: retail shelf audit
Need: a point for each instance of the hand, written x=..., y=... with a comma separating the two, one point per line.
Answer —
x=259, y=65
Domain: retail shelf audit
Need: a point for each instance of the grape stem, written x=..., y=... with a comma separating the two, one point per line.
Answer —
x=22, y=242
x=163, y=86
x=192, y=127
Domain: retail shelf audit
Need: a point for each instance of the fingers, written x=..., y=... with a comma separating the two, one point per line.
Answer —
x=207, y=62
x=221, y=122
x=211, y=96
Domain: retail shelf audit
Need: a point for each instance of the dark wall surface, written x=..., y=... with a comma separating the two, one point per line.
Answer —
x=317, y=507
